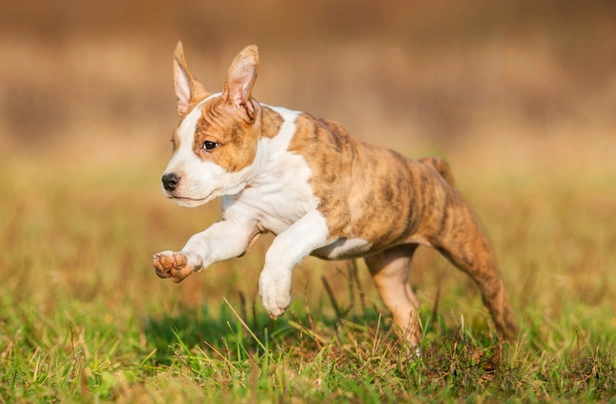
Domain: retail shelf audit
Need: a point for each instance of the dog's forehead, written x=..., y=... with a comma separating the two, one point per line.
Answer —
x=185, y=131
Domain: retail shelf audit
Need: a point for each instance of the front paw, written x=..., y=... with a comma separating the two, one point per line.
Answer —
x=177, y=266
x=275, y=291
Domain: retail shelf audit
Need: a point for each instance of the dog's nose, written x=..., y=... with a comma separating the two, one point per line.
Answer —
x=170, y=181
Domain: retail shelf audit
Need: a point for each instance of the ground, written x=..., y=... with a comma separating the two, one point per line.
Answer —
x=84, y=317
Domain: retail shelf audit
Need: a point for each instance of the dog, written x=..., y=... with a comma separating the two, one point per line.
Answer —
x=320, y=191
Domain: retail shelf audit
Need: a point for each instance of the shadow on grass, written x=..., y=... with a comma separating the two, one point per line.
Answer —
x=221, y=330
x=224, y=332
x=467, y=360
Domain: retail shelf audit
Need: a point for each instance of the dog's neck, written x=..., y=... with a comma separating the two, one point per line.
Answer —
x=278, y=129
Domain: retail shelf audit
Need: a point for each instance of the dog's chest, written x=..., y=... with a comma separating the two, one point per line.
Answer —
x=280, y=196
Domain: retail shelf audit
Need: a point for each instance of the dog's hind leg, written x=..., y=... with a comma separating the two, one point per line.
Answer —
x=390, y=271
x=463, y=243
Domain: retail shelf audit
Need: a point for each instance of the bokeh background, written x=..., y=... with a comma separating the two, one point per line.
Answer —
x=520, y=98
x=528, y=78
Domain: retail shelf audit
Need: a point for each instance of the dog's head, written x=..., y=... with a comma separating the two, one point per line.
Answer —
x=215, y=143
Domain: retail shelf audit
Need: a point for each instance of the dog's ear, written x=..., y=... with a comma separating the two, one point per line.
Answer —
x=187, y=88
x=240, y=78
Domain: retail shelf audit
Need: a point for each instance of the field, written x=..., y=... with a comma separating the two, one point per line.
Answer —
x=84, y=316
x=519, y=98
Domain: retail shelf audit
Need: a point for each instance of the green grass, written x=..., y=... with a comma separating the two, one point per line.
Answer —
x=84, y=318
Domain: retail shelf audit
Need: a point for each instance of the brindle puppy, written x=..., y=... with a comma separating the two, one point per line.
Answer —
x=322, y=193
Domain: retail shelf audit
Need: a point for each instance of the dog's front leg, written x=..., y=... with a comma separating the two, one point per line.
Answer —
x=228, y=238
x=287, y=250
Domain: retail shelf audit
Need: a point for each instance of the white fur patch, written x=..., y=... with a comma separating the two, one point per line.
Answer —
x=287, y=250
x=344, y=248
x=278, y=190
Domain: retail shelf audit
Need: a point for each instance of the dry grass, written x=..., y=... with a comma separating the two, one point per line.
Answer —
x=84, y=315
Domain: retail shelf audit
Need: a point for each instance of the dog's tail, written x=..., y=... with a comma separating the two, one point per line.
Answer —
x=441, y=166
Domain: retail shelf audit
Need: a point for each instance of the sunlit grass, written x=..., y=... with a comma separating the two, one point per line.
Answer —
x=84, y=317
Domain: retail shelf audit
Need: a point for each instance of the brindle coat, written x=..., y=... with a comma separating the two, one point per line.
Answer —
x=395, y=204
x=391, y=203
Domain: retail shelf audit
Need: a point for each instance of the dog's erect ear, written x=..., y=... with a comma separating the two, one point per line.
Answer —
x=240, y=79
x=187, y=88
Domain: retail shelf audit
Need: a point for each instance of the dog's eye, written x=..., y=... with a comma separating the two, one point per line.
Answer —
x=209, y=145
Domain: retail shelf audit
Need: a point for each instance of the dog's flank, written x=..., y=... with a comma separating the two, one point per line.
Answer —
x=320, y=191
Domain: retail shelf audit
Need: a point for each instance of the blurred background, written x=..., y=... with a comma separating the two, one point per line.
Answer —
x=518, y=80
x=519, y=96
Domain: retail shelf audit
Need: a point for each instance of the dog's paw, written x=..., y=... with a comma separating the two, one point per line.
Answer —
x=174, y=265
x=275, y=291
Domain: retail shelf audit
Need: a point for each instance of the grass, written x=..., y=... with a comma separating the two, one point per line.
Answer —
x=84, y=318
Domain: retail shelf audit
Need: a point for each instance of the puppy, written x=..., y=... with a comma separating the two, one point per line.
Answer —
x=320, y=191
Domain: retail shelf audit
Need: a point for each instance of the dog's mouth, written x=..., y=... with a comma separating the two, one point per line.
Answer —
x=183, y=198
x=178, y=198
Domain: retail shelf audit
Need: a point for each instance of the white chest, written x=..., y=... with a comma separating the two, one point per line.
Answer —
x=281, y=195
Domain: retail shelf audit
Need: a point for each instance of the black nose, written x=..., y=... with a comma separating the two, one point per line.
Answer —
x=170, y=181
